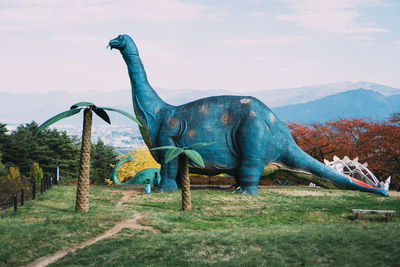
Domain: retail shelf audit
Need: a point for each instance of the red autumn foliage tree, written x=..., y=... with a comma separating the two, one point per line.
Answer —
x=318, y=140
x=375, y=142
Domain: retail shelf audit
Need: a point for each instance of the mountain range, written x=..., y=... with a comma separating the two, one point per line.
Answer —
x=301, y=104
x=358, y=103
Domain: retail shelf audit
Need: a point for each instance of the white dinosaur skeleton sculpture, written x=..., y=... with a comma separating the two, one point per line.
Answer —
x=357, y=170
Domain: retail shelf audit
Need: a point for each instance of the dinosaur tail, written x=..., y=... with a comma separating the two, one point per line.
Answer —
x=115, y=170
x=298, y=160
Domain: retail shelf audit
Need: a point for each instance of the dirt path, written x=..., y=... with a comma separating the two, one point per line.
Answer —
x=133, y=223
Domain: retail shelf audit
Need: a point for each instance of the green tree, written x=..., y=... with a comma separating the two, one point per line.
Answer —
x=23, y=150
x=3, y=169
x=21, y=147
x=3, y=141
x=102, y=157
x=185, y=154
x=82, y=194
x=3, y=136
x=54, y=146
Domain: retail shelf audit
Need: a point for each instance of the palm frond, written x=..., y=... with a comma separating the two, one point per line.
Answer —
x=172, y=153
x=82, y=104
x=194, y=156
x=202, y=144
x=56, y=118
x=123, y=113
x=163, y=147
x=102, y=114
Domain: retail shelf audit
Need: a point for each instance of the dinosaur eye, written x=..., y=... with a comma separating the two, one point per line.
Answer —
x=119, y=36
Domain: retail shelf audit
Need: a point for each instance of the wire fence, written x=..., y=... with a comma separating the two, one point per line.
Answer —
x=25, y=193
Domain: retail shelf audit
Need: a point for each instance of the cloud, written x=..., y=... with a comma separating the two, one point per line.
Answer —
x=39, y=13
x=273, y=40
x=360, y=38
x=330, y=17
x=256, y=14
x=397, y=42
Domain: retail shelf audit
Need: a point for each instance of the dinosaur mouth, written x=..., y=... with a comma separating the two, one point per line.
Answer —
x=113, y=45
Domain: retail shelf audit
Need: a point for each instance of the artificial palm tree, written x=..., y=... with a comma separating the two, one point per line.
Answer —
x=82, y=193
x=186, y=154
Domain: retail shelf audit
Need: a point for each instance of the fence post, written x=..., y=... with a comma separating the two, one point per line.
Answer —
x=57, y=178
x=50, y=181
x=41, y=186
x=15, y=203
x=22, y=196
x=33, y=190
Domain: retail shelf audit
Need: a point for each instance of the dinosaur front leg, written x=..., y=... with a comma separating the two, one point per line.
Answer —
x=168, y=183
x=168, y=170
x=168, y=174
x=249, y=174
x=248, y=185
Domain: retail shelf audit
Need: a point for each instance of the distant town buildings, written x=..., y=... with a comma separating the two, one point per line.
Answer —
x=122, y=138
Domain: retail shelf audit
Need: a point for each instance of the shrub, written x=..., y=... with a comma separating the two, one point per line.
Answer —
x=13, y=182
x=143, y=160
x=36, y=173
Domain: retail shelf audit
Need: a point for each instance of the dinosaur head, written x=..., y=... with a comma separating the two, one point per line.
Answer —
x=124, y=43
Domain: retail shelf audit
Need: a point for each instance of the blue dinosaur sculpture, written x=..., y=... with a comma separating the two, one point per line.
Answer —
x=140, y=177
x=249, y=137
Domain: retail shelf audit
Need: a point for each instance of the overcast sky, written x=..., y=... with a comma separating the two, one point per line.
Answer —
x=236, y=45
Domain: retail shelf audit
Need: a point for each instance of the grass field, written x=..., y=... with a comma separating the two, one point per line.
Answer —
x=291, y=226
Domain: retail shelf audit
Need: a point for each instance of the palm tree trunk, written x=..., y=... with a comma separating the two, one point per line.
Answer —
x=184, y=169
x=82, y=192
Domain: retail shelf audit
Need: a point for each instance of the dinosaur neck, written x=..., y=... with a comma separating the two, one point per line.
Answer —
x=148, y=106
x=142, y=92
